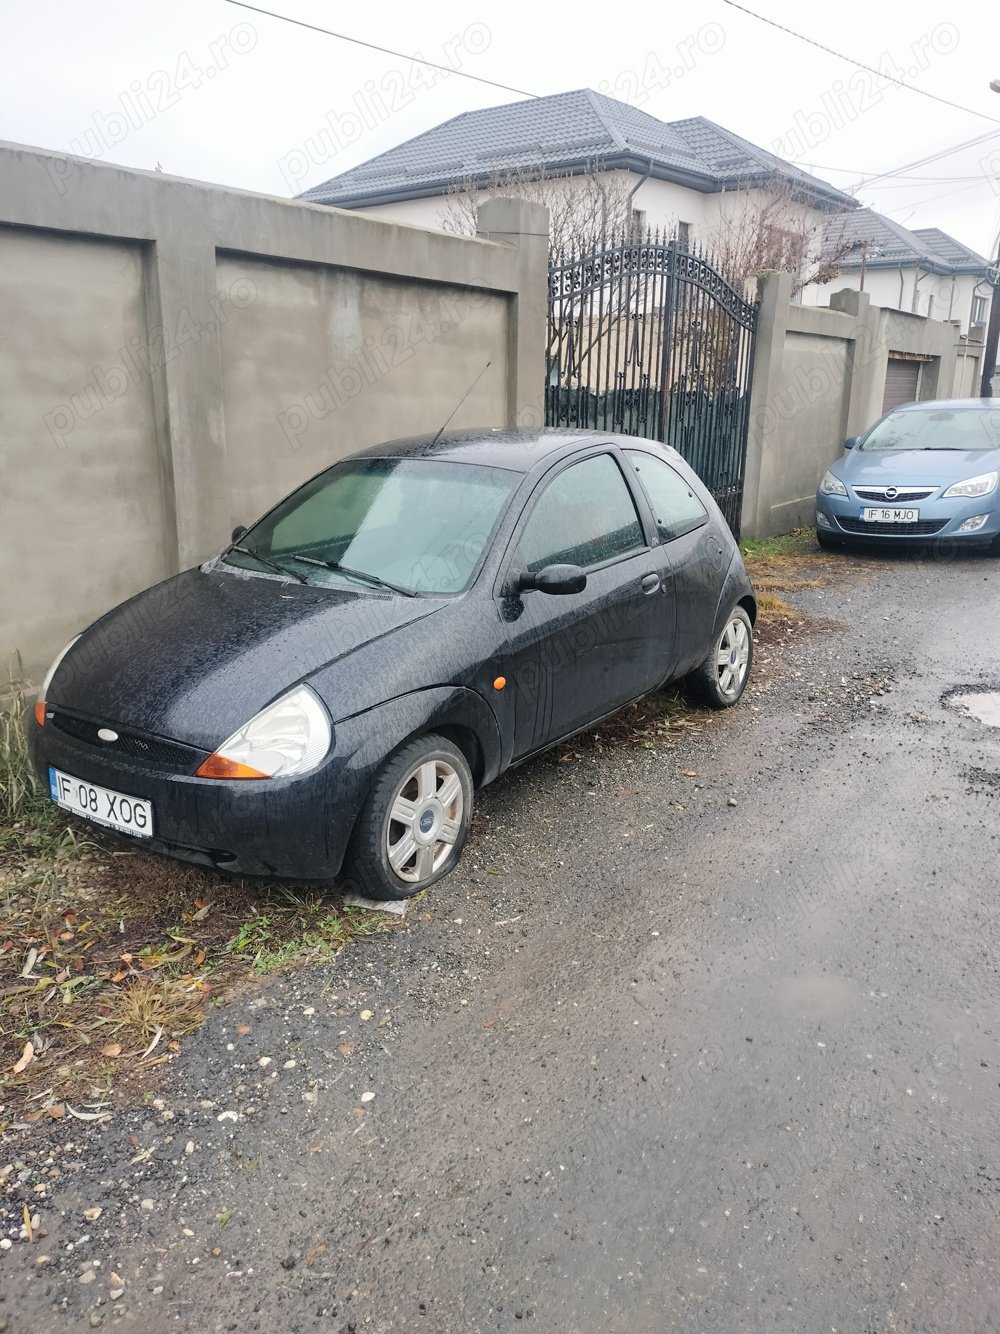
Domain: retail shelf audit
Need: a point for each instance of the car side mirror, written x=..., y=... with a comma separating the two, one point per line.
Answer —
x=556, y=579
x=851, y=441
x=239, y=531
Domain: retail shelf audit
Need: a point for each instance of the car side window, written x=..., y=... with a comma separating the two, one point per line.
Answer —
x=585, y=516
x=675, y=506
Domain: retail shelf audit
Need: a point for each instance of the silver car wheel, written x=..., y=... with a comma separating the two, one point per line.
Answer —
x=733, y=657
x=425, y=820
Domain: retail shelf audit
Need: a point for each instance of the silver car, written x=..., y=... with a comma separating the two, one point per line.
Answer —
x=925, y=472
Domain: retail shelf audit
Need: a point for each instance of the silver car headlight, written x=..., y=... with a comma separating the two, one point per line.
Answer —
x=832, y=486
x=975, y=486
x=291, y=736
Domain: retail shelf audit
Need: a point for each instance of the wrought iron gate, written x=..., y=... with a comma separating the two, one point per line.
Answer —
x=647, y=338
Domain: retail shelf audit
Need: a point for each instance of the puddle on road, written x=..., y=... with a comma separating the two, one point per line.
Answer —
x=983, y=706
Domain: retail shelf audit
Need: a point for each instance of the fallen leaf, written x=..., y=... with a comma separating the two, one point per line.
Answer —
x=29, y=963
x=27, y=1223
x=202, y=912
x=689, y=773
x=70, y=918
x=87, y=1116
x=117, y=977
x=199, y=959
x=67, y=935
x=27, y=1056
x=112, y=1049
x=244, y=1028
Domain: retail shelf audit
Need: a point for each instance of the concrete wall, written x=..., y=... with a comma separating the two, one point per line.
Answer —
x=819, y=376
x=174, y=357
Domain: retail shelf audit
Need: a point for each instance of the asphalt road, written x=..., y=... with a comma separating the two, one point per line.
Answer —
x=650, y=1061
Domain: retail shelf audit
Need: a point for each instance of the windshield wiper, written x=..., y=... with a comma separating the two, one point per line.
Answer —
x=375, y=580
x=266, y=560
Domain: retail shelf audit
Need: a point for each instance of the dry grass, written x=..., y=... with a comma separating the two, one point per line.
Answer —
x=110, y=957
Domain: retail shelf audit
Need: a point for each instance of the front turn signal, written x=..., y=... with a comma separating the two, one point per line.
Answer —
x=217, y=766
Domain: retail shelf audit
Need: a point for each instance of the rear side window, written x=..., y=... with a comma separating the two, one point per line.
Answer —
x=675, y=506
x=585, y=516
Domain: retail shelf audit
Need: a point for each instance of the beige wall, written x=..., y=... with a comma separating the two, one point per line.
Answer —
x=84, y=516
x=174, y=357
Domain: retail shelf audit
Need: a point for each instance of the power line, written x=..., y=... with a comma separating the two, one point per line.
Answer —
x=931, y=157
x=865, y=178
x=859, y=64
x=385, y=50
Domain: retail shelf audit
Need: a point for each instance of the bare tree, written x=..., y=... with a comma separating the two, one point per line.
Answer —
x=768, y=228
x=584, y=210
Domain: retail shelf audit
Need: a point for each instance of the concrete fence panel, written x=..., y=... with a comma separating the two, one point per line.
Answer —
x=175, y=357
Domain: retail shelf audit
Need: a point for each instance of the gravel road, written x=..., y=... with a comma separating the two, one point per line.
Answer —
x=700, y=1038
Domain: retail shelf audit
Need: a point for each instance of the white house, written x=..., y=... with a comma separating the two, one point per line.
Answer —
x=684, y=176
x=924, y=271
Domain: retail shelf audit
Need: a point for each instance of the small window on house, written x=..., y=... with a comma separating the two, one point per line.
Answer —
x=684, y=235
x=979, y=309
x=638, y=224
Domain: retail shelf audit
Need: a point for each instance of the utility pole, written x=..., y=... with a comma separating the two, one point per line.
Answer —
x=993, y=328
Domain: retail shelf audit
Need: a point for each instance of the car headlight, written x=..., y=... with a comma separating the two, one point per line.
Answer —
x=832, y=486
x=975, y=486
x=291, y=736
x=43, y=694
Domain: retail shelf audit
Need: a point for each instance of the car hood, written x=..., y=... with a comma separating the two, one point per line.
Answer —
x=905, y=467
x=195, y=657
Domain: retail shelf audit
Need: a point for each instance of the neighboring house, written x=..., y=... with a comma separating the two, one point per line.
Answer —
x=687, y=177
x=924, y=271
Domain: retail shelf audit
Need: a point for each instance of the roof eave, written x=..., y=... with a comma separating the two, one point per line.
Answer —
x=577, y=165
x=938, y=267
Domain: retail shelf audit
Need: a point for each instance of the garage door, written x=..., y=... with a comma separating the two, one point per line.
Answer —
x=900, y=382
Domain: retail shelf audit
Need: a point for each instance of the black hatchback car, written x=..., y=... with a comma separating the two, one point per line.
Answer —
x=330, y=690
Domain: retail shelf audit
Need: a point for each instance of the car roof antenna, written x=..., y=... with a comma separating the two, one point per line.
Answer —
x=461, y=401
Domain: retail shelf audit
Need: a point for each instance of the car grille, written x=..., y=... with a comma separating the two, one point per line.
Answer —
x=905, y=495
x=154, y=750
x=922, y=528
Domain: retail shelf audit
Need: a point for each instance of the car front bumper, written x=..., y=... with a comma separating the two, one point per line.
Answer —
x=940, y=521
x=289, y=828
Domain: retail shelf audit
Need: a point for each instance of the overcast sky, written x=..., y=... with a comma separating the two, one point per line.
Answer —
x=211, y=91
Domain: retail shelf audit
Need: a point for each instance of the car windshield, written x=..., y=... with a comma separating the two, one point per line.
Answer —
x=414, y=525
x=937, y=428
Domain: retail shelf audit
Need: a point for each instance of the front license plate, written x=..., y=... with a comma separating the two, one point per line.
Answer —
x=129, y=815
x=890, y=516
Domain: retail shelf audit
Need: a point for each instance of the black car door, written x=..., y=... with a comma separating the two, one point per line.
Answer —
x=693, y=553
x=573, y=658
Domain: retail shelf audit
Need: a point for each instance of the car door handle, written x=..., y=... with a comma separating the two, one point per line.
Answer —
x=650, y=583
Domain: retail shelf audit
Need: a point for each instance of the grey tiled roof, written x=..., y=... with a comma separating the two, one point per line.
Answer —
x=957, y=256
x=564, y=132
x=889, y=245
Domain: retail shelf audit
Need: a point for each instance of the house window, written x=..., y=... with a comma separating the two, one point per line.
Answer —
x=684, y=235
x=638, y=224
x=979, y=304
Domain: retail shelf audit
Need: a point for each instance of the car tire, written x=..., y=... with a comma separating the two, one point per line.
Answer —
x=721, y=679
x=415, y=821
x=827, y=543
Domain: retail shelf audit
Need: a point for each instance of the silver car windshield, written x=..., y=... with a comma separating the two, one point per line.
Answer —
x=413, y=525
x=937, y=428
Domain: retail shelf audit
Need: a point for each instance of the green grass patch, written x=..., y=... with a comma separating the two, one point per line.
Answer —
x=799, y=542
